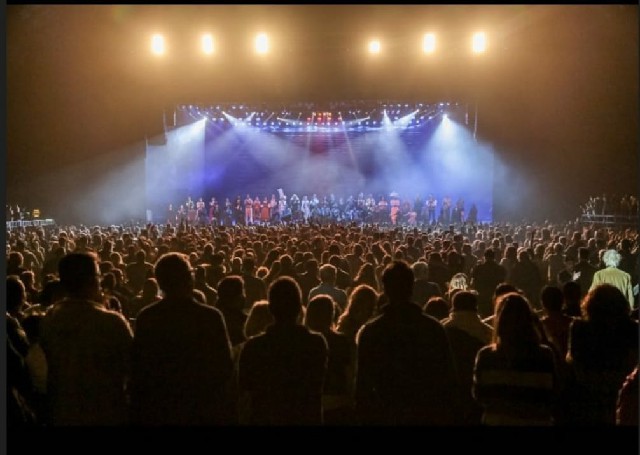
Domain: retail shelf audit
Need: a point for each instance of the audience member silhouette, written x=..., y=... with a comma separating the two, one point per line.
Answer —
x=603, y=350
x=181, y=355
x=87, y=350
x=515, y=378
x=405, y=368
x=284, y=368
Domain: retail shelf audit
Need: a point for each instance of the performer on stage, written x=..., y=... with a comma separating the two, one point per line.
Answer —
x=282, y=204
x=256, y=209
x=294, y=204
x=248, y=210
x=383, y=209
x=460, y=210
x=200, y=210
x=394, y=202
x=214, y=211
x=305, y=208
x=265, y=211
x=273, y=209
x=182, y=214
x=431, y=209
x=445, y=211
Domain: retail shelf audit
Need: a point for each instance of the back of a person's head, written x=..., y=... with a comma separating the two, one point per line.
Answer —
x=465, y=301
x=420, y=270
x=141, y=256
x=611, y=258
x=200, y=273
x=605, y=304
x=248, y=264
x=502, y=289
x=362, y=302
x=515, y=324
x=328, y=273
x=437, y=307
x=551, y=298
x=459, y=281
x=78, y=272
x=150, y=288
x=319, y=316
x=199, y=296
x=397, y=280
x=52, y=291
x=285, y=299
x=583, y=253
x=16, y=294
x=259, y=319
x=489, y=254
x=173, y=273
x=230, y=290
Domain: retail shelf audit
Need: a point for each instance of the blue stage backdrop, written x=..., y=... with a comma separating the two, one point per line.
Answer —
x=225, y=158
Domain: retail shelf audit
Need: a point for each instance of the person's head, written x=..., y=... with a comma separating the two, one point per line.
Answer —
x=611, y=258
x=489, y=254
x=258, y=320
x=362, y=303
x=515, y=324
x=397, y=280
x=551, y=298
x=583, y=253
x=141, y=256
x=16, y=294
x=420, y=270
x=150, y=289
x=465, y=301
x=248, y=265
x=328, y=273
x=320, y=313
x=285, y=300
x=173, y=273
x=437, y=307
x=80, y=276
x=605, y=304
x=52, y=291
x=231, y=292
x=458, y=281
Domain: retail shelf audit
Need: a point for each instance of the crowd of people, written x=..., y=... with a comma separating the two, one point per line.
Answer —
x=322, y=324
x=392, y=209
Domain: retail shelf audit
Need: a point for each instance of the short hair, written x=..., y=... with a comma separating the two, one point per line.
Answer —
x=551, y=298
x=78, y=271
x=420, y=270
x=328, y=273
x=229, y=288
x=173, y=273
x=285, y=299
x=397, y=280
x=611, y=258
x=437, y=307
x=465, y=301
x=320, y=313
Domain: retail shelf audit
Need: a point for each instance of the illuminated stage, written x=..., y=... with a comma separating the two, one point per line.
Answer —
x=230, y=150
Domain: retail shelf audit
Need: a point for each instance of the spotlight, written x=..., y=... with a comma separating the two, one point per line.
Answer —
x=374, y=47
x=429, y=43
x=479, y=42
x=262, y=43
x=157, y=44
x=207, y=44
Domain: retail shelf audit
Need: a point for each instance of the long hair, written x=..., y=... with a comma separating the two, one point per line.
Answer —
x=515, y=324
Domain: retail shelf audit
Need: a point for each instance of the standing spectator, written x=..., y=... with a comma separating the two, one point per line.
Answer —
x=87, y=349
x=614, y=276
x=284, y=368
x=603, y=350
x=181, y=355
x=515, y=378
x=405, y=368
